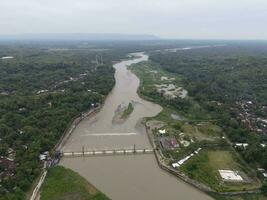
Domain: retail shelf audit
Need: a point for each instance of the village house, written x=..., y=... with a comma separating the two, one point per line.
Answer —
x=7, y=167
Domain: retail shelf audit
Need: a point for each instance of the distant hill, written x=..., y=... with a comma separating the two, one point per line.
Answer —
x=80, y=36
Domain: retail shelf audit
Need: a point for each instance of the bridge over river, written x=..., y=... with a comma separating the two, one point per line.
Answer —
x=106, y=152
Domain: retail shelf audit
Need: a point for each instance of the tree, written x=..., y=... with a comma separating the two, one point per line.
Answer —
x=264, y=188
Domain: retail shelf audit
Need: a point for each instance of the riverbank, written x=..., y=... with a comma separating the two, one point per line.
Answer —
x=202, y=187
x=160, y=160
x=62, y=183
x=35, y=192
x=149, y=76
x=69, y=130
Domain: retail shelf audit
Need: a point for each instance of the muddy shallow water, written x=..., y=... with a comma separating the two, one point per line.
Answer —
x=123, y=177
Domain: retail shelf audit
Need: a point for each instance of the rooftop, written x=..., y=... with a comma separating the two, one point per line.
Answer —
x=230, y=175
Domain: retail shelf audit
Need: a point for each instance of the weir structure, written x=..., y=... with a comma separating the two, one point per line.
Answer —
x=106, y=152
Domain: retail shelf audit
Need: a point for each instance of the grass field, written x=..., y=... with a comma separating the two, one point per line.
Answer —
x=65, y=184
x=202, y=131
x=205, y=166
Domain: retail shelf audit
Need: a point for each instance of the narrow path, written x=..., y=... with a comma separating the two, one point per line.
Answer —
x=35, y=194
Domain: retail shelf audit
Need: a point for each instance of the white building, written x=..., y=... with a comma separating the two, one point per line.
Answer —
x=230, y=175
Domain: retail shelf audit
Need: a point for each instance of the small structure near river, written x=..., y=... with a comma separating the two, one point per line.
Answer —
x=231, y=176
x=6, y=57
x=182, y=161
x=168, y=143
x=170, y=91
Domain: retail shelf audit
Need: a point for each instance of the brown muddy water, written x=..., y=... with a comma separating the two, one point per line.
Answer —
x=124, y=177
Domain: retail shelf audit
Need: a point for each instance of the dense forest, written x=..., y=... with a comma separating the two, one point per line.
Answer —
x=42, y=88
x=230, y=84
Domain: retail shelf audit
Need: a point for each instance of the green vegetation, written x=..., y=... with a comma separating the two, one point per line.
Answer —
x=220, y=80
x=150, y=74
x=47, y=84
x=41, y=90
x=65, y=184
x=264, y=188
x=202, y=131
x=226, y=85
x=126, y=113
x=217, y=79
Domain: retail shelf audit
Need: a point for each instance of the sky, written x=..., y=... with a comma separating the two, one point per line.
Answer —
x=176, y=19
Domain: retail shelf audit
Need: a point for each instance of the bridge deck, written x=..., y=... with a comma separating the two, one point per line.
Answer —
x=106, y=152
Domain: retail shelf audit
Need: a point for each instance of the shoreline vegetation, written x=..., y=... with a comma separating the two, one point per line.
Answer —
x=128, y=111
x=64, y=184
x=122, y=113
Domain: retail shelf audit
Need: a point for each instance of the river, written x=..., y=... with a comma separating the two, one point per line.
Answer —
x=124, y=177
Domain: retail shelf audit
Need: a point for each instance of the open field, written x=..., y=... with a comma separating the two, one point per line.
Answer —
x=202, y=131
x=205, y=166
x=65, y=184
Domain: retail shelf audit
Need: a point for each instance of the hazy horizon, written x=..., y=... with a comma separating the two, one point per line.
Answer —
x=190, y=19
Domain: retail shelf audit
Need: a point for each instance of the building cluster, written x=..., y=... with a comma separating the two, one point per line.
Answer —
x=245, y=145
x=7, y=165
x=165, y=141
x=48, y=160
x=183, y=160
x=6, y=92
x=263, y=172
x=170, y=91
x=171, y=142
x=168, y=143
x=245, y=111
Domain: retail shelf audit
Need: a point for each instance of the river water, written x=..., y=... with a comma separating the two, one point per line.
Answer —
x=124, y=177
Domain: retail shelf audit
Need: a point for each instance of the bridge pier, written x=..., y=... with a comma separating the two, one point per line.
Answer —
x=83, y=150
